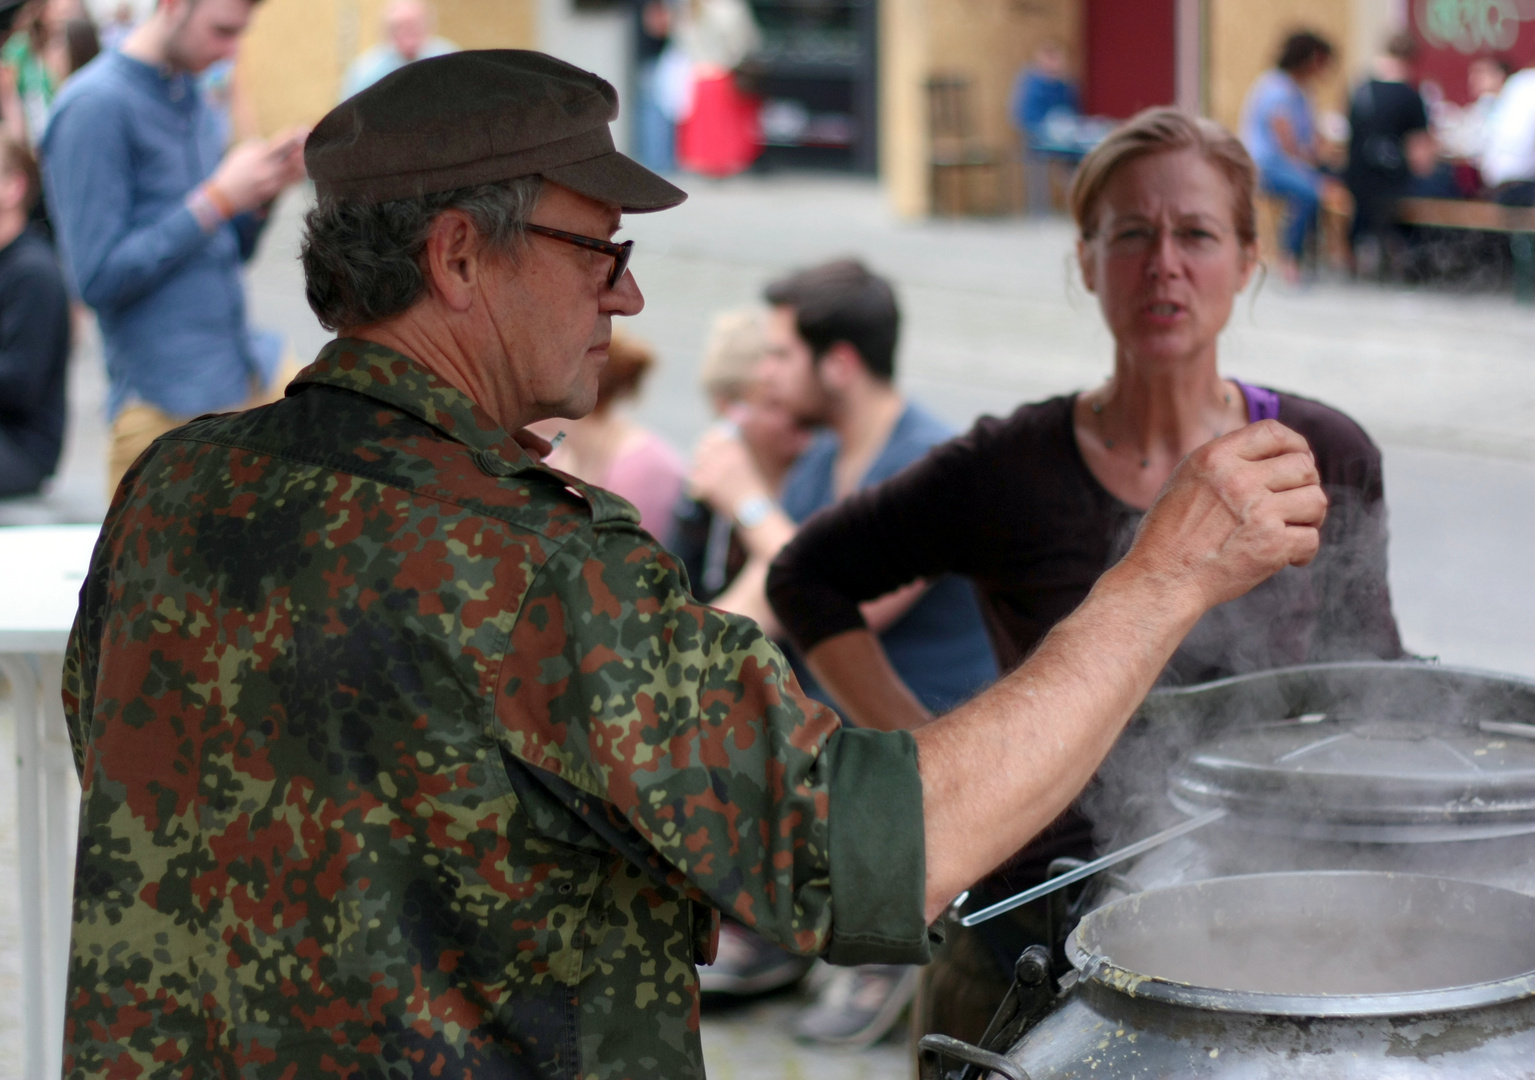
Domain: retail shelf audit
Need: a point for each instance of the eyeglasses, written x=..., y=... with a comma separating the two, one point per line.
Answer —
x=618, y=252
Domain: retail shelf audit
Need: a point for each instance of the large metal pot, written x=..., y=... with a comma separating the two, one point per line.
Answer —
x=1315, y=975
x=1384, y=766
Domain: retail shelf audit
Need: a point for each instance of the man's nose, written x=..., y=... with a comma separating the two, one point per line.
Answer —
x=624, y=298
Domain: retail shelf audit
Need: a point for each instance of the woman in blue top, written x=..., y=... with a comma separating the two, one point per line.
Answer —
x=1280, y=133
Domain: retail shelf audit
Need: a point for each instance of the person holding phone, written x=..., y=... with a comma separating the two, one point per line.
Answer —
x=154, y=220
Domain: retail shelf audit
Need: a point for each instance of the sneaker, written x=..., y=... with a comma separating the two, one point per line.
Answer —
x=746, y=965
x=858, y=1006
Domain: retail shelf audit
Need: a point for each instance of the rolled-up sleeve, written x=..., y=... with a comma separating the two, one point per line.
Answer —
x=878, y=867
x=689, y=723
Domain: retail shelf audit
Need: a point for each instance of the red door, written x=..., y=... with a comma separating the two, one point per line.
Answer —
x=1131, y=61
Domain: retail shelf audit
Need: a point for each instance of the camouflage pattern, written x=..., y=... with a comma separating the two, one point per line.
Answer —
x=404, y=755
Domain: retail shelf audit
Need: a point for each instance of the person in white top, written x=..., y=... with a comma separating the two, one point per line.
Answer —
x=1508, y=162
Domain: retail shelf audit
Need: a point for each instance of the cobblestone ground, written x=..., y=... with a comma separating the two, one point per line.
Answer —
x=748, y=1042
x=1444, y=381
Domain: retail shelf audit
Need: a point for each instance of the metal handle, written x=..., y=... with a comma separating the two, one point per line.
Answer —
x=938, y=1047
x=1089, y=869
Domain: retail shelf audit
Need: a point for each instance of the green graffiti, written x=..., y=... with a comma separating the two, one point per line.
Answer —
x=1469, y=26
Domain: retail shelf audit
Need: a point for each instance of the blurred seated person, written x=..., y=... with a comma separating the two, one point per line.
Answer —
x=1043, y=91
x=608, y=449
x=1462, y=132
x=408, y=33
x=1389, y=145
x=34, y=333
x=1508, y=161
x=1279, y=131
x=1035, y=506
x=706, y=542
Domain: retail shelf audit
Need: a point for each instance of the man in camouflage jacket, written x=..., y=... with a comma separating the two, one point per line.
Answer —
x=404, y=755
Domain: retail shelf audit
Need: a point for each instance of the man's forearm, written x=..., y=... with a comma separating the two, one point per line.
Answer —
x=998, y=770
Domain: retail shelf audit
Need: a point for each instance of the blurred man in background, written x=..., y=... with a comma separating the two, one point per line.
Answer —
x=34, y=333
x=408, y=27
x=154, y=221
x=829, y=357
x=116, y=29
x=1389, y=144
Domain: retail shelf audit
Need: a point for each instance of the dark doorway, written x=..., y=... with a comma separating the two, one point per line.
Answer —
x=1131, y=56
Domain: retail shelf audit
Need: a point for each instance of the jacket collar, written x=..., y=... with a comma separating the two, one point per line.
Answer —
x=395, y=379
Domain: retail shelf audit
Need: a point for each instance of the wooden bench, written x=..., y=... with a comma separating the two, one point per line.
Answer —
x=1517, y=221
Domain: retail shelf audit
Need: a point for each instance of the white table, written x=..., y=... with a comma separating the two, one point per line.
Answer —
x=41, y=570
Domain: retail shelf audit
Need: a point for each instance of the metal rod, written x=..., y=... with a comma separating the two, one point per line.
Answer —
x=1114, y=858
x=1496, y=727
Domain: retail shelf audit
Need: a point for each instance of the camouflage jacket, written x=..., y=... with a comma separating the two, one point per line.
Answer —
x=406, y=756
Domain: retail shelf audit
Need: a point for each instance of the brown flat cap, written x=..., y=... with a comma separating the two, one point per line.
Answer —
x=476, y=118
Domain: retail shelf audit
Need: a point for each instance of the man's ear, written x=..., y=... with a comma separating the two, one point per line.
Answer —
x=453, y=255
x=839, y=365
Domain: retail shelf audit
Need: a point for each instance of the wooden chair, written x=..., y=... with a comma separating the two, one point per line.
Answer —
x=1334, y=214
x=955, y=152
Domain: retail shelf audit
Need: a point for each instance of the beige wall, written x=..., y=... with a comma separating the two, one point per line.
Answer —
x=1244, y=40
x=294, y=55
x=987, y=41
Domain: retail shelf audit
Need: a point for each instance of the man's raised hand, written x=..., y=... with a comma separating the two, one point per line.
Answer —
x=1236, y=511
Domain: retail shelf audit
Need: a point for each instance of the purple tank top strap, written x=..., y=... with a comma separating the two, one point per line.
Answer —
x=1261, y=404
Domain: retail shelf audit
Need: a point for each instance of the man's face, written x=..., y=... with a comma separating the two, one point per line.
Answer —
x=203, y=32
x=787, y=371
x=551, y=313
x=409, y=27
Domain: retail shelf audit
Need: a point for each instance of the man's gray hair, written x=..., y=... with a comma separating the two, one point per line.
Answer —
x=363, y=262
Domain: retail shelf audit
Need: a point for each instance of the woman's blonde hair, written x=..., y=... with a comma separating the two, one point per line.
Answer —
x=732, y=352
x=1162, y=131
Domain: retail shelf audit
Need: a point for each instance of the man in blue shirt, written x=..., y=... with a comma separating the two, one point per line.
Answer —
x=829, y=357
x=154, y=221
x=1043, y=90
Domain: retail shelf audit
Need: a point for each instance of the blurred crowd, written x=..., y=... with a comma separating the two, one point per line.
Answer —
x=1398, y=140
x=135, y=183
x=1398, y=137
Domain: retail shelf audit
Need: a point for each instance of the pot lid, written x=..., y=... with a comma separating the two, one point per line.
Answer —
x=1367, y=780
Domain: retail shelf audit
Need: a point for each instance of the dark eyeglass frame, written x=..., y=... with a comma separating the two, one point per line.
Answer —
x=618, y=252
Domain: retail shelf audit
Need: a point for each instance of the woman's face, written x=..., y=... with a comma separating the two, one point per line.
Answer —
x=771, y=432
x=1166, y=263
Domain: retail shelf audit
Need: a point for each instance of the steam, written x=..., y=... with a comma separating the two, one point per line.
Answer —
x=1128, y=799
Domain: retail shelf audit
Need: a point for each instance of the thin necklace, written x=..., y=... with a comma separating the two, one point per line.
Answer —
x=1097, y=407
